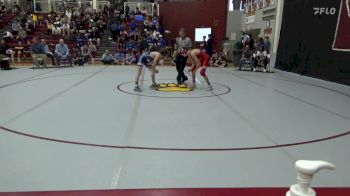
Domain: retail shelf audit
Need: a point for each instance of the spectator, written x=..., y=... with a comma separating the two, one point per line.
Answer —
x=16, y=26
x=8, y=36
x=69, y=16
x=226, y=47
x=129, y=58
x=267, y=44
x=6, y=50
x=38, y=52
x=4, y=56
x=144, y=11
x=119, y=58
x=3, y=49
x=95, y=36
x=251, y=43
x=210, y=46
x=20, y=49
x=220, y=62
x=56, y=30
x=86, y=53
x=246, y=56
x=47, y=51
x=260, y=59
x=80, y=41
x=22, y=36
x=204, y=42
x=50, y=27
x=62, y=52
x=260, y=45
x=130, y=45
x=107, y=58
x=65, y=28
x=133, y=25
x=93, y=50
x=161, y=43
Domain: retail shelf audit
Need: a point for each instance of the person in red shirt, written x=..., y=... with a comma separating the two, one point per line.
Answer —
x=199, y=59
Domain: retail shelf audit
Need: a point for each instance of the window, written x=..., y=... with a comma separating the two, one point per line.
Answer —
x=235, y=5
x=230, y=5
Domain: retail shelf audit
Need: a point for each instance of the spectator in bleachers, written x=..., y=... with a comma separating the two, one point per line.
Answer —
x=246, y=57
x=15, y=9
x=119, y=57
x=115, y=31
x=47, y=51
x=80, y=41
x=130, y=45
x=144, y=11
x=49, y=27
x=16, y=26
x=161, y=43
x=2, y=8
x=93, y=50
x=3, y=49
x=65, y=28
x=56, y=30
x=7, y=36
x=5, y=54
x=95, y=36
x=86, y=53
x=260, y=59
x=29, y=25
x=267, y=44
x=210, y=45
x=22, y=36
x=21, y=50
x=133, y=25
x=121, y=41
x=219, y=61
x=260, y=45
x=37, y=51
x=107, y=58
x=225, y=47
x=137, y=11
x=69, y=16
x=62, y=52
x=129, y=58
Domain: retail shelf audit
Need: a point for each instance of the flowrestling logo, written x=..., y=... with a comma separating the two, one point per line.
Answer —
x=324, y=11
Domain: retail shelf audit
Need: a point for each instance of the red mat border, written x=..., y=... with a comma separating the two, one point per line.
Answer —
x=183, y=192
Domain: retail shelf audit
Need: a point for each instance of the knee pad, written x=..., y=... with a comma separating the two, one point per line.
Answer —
x=203, y=72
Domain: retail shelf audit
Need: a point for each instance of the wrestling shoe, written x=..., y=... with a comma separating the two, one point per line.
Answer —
x=154, y=86
x=137, y=89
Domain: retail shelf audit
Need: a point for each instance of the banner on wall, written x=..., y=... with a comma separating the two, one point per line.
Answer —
x=250, y=6
x=315, y=39
x=342, y=33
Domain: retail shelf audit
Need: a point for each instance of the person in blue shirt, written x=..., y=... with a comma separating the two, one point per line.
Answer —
x=133, y=25
x=107, y=58
x=62, y=52
x=161, y=42
x=80, y=41
x=119, y=57
x=130, y=45
x=38, y=52
x=129, y=57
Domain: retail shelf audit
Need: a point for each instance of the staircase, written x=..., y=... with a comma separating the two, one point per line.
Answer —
x=105, y=44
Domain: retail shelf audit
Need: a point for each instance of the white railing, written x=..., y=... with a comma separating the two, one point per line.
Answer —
x=151, y=8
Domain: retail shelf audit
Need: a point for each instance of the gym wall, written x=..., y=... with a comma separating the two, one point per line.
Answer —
x=190, y=15
x=315, y=39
